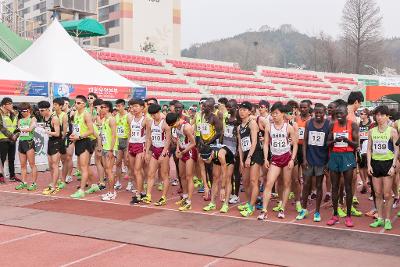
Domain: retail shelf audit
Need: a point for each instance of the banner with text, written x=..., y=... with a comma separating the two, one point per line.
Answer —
x=24, y=88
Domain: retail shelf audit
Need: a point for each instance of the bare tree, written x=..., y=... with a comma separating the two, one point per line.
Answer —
x=362, y=26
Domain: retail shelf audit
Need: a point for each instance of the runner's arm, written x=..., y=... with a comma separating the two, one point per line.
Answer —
x=113, y=127
x=56, y=125
x=294, y=137
x=395, y=136
x=305, y=142
x=148, y=136
x=188, y=131
x=254, y=134
x=65, y=126
x=168, y=138
x=266, y=140
x=355, y=133
x=239, y=145
x=330, y=136
x=89, y=122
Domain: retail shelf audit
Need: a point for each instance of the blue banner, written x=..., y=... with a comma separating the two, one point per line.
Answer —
x=139, y=93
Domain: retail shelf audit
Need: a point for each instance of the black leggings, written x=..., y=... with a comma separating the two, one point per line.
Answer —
x=348, y=181
x=236, y=177
x=8, y=149
x=372, y=190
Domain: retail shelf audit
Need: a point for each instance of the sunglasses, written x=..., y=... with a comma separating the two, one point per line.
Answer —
x=102, y=107
x=91, y=98
x=263, y=107
x=78, y=103
x=42, y=109
x=290, y=113
x=24, y=110
x=363, y=113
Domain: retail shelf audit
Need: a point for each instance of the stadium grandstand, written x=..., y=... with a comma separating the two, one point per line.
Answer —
x=189, y=79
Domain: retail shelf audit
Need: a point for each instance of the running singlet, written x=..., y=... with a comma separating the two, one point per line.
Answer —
x=138, y=134
x=79, y=125
x=122, y=125
x=317, y=148
x=364, y=128
x=382, y=145
x=230, y=139
x=23, y=125
x=245, y=138
x=342, y=131
x=261, y=133
x=279, y=140
x=157, y=135
x=302, y=126
x=48, y=126
x=183, y=141
x=207, y=130
x=106, y=135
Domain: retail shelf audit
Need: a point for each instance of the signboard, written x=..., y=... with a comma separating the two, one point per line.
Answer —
x=103, y=92
x=24, y=88
x=389, y=81
x=139, y=93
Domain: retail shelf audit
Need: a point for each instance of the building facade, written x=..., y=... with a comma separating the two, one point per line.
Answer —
x=138, y=25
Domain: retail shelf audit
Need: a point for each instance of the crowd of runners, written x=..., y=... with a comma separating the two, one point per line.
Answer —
x=298, y=151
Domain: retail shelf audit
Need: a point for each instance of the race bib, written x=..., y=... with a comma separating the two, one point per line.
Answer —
x=47, y=129
x=316, y=138
x=228, y=132
x=205, y=128
x=340, y=144
x=279, y=146
x=246, y=143
x=363, y=135
x=76, y=129
x=173, y=132
x=103, y=138
x=156, y=139
x=120, y=131
x=380, y=147
x=301, y=133
x=24, y=133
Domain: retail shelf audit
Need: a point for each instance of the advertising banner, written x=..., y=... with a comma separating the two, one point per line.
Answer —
x=24, y=88
x=103, y=92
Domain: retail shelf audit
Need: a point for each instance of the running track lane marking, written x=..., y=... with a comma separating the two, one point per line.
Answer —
x=22, y=238
x=208, y=214
x=210, y=264
x=94, y=255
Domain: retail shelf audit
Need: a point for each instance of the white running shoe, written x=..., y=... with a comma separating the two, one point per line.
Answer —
x=174, y=182
x=130, y=186
x=109, y=196
x=281, y=215
x=234, y=199
x=68, y=179
x=118, y=185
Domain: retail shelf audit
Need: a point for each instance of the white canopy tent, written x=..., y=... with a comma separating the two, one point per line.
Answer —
x=12, y=79
x=56, y=57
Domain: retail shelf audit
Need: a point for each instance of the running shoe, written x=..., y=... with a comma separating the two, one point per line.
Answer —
x=78, y=194
x=278, y=207
x=242, y=207
x=48, y=190
x=388, y=225
x=371, y=198
x=248, y=211
x=396, y=203
x=348, y=222
x=313, y=196
x=371, y=213
x=274, y=196
x=291, y=195
x=317, y=217
x=263, y=215
x=135, y=200
x=61, y=184
x=109, y=196
x=298, y=206
x=332, y=221
x=302, y=214
x=160, y=187
x=161, y=202
x=364, y=190
x=174, y=182
x=32, y=187
x=146, y=199
x=341, y=213
x=117, y=185
x=377, y=223
x=261, y=188
x=327, y=198
x=78, y=174
x=68, y=179
x=181, y=202
x=224, y=208
x=21, y=186
x=259, y=203
x=129, y=187
x=93, y=189
x=355, y=212
x=241, y=188
x=2, y=180
x=200, y=190
x=209, y=207
x=13, y=179
x=186, y=206
x=234, y=199
x=125, y=169
x=355, y=200
x=281, y=214
x=102, y=186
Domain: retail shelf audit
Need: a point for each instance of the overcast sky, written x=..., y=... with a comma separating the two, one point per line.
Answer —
x=206, y=20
